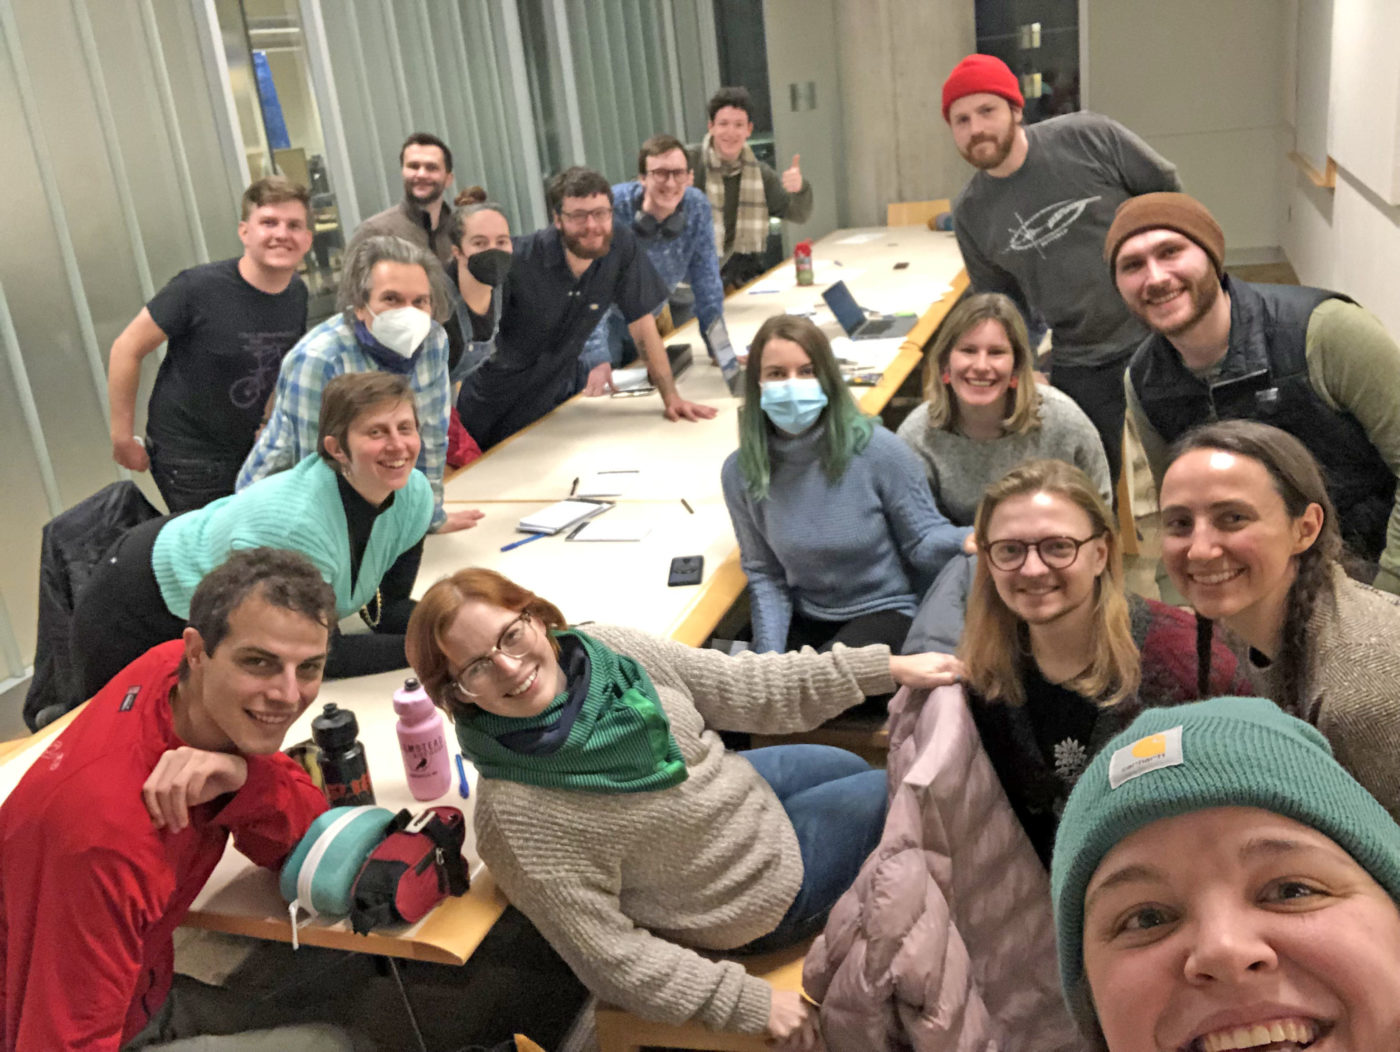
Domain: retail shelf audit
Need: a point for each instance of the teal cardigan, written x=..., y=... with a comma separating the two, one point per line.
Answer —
x=299, y=509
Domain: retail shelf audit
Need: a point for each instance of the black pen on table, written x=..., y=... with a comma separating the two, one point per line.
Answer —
x=686, y=504
x=574, y=488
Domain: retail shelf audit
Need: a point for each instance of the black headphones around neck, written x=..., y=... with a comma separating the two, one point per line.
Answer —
x=648, y=226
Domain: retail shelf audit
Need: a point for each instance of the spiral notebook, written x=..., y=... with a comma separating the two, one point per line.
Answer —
x=560, y=516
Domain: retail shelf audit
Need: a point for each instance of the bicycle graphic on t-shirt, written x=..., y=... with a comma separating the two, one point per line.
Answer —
x=266, y=349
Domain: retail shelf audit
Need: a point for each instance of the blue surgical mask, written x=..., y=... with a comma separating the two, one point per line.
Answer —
x=793, y=405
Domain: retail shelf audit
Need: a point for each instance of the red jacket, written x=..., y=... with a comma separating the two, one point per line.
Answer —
x=90, y=890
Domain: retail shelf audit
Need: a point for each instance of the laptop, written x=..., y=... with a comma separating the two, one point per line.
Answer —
x=852, y=317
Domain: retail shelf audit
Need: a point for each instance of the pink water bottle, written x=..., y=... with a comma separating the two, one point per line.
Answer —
x=423, y=742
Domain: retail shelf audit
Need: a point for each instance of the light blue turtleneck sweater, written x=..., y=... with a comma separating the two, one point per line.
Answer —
x=872, y=540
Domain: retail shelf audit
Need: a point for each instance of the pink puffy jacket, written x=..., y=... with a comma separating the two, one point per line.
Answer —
x=945, y=942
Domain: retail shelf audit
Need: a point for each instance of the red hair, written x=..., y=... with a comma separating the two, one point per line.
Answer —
x=439, y=607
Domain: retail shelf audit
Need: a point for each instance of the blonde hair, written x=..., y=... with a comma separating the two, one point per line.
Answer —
x=994, y=644
x=1023, y=402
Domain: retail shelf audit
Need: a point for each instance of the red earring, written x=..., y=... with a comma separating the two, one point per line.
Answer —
x=947, y=378
x=1013, y=382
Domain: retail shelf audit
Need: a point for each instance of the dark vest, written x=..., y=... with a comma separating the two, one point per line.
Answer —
x=1264, y=377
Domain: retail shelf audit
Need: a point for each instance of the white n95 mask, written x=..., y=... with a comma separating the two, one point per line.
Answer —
x=401, y=329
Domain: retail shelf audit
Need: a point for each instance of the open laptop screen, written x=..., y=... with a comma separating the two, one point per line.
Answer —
x=844, y=306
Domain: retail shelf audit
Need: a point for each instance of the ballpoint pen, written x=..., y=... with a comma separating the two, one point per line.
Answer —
x=523, y=540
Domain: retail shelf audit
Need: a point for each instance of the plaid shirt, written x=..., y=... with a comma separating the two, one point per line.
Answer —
x=325, y=352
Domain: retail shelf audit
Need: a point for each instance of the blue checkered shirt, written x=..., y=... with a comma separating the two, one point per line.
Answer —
x=325, y=352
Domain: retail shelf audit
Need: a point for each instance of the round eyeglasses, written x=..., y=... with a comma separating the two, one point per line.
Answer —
x=1058, y=553
x=513, y=642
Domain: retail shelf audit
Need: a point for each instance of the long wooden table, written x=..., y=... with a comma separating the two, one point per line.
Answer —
x=620, y=582
x=682, y=460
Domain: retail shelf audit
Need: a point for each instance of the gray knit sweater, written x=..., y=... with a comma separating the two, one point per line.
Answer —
x=871, y=540
x=621, y=884
x=960, y=468
x=1354, y=694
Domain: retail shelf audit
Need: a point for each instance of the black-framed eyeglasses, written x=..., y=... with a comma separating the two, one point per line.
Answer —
x=662, y=175
x=578, y=218
x=513, y=642
x=1058, y=553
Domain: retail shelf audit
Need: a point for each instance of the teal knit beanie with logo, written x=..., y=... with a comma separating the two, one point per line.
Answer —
x=1228, y=752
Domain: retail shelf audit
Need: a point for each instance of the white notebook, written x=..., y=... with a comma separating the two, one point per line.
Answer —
x=560, y=516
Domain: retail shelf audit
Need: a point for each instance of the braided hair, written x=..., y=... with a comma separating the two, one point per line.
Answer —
x=1298, y=480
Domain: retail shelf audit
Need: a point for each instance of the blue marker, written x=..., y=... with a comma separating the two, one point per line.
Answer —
x=464, y=788
x=526, y=540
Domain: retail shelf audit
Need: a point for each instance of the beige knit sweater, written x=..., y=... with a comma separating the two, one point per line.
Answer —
x=622, y=884
x=1354, y=696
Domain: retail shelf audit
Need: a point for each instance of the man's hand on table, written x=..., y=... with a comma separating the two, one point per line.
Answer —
x=679, y=409
x=600, y=381
x=464, y=519
x=187, y=777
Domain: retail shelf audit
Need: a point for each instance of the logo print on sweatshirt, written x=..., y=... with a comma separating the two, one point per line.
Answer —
x=1047, y=226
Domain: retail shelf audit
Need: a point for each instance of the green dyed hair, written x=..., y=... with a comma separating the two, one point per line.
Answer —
x=847, y=429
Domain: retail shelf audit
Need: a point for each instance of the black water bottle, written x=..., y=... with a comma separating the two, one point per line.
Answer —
x=344, y=769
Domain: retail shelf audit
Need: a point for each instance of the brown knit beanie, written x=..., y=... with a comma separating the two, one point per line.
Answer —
x=1164, y=211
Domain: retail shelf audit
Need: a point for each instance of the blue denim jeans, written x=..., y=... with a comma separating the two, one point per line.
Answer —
x=836, y=803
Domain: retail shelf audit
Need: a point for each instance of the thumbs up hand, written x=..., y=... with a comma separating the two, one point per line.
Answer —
x=792, y=178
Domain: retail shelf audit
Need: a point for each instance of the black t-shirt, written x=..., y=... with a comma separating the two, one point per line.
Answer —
x=546, y=315
x=226, y=344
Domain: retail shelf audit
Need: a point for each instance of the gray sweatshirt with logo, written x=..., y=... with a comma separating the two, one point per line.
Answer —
x=1037, y=234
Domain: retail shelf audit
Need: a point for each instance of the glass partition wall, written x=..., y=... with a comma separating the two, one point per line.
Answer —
x=133, y=127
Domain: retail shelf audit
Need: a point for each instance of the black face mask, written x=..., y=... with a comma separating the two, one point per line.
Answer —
x=670, y=228
x=489, y=266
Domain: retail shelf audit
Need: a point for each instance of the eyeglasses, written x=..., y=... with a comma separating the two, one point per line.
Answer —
x=1058, y=553
x=598, y=215
x=514, y=643
x=662, y=175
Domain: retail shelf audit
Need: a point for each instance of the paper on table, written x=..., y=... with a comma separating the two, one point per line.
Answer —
x=867, y=354
x=608, y=483
x=860, y=239
x=603, y=530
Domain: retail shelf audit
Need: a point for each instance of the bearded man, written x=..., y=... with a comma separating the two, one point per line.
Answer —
x=1306, y=360
x=1031, y=221
x=561, y=282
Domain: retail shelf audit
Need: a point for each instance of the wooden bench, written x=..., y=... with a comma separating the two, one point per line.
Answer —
x=621, y=1031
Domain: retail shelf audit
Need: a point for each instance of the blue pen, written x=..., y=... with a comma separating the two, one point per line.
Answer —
x=525, y=540
x=464, y=788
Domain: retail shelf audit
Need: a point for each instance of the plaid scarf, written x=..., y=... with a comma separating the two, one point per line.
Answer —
x=751, y=222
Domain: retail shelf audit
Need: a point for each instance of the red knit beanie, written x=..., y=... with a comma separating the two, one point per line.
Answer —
x=979, y=73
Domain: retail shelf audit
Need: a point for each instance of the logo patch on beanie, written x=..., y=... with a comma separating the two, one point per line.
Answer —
x=1152, y=753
